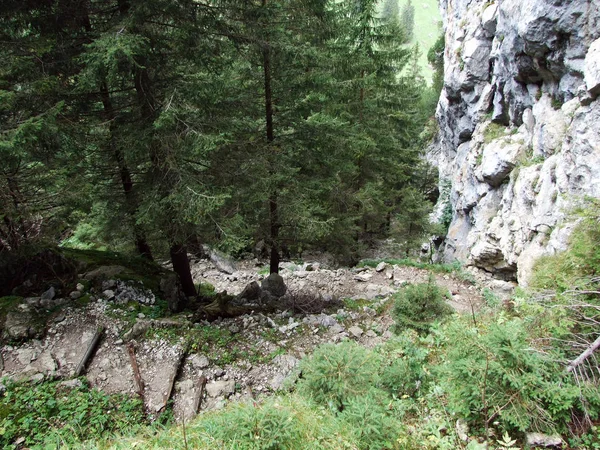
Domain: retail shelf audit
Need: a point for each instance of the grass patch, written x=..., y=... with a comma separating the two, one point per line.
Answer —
x=407, y=262
x=492, y=132
x=7, y=304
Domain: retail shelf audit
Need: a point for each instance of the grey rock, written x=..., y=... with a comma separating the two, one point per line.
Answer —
x=49, y=294
x=337, y=328
x=23, y=324
x=252, y=291
x=592, y=68
x=26, y=355
x=75, y=383
x=511, y=58
x=499, y=159
x=325, y=321
x=363, y=277
x=80, y=287
x=138, y=329
x=274, y=285
x=543, y=440
x=60, y=317
x=356, y=331
x=109, y=284
x=462, y=430
x=222, y=262
x=37, y=377
x=489, y=19
x=381, y=266
x=220, y=388
x=199, y=361
x=108, y=294
x=104, y=272
x=75, y=295
x=33, y=301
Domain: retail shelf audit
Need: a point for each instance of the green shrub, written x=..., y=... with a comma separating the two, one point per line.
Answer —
x=493, y=373
x=281, y=423
x=417, y=306
x=335, y=374
x=369, y=415
x=569, y=269
x=404, y=371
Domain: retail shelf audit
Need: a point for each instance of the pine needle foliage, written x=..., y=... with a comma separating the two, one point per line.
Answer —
x=417, y=306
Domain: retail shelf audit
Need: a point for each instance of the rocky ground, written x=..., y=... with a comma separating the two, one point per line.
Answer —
x=206, y=364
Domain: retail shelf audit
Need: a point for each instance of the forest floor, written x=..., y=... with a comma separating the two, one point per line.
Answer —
x=249, y=356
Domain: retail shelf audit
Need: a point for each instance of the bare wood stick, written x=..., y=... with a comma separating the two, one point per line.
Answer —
x=136, y=370
x=199, y=395
x=90, y=350
x=172, y=378
x=586, y=354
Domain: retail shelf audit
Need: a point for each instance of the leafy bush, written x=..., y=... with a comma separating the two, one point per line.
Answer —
x=45, y=413
x=335, y=374
x=417, y=306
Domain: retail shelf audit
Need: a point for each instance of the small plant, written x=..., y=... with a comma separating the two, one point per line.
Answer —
x=42, y=414
x=492, y=132
x=491, y=299
x=506, y=443
x=205, y=290
x=556, y=103
x=417, y=306
x=335, y=374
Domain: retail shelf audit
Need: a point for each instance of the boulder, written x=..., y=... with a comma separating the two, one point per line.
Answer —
x=543, y=440
x=23, y=323
x=252, y=291
x=274, y=285
x=220, y=388
x=498, y=160
x=591, y=69
x=49, y=294
x=221, y=261
x=104, y=272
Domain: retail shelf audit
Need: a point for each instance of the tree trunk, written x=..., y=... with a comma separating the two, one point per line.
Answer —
x=273, y=205
x=181, y=266
x=274, y=219
x=126, y=181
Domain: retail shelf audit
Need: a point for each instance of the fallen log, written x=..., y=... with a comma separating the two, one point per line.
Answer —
x=88, y=353
x=136, y=371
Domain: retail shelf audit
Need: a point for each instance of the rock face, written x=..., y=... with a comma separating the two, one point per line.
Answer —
x=519, y=141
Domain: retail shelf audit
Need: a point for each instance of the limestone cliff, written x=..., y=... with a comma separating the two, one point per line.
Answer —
x=519, y=118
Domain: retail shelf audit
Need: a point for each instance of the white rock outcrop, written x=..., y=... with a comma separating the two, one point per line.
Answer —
x=519, y=117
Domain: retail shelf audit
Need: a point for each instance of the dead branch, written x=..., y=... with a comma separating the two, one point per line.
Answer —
x=586, y=354
x=199, y=395
x=136, y=370
x=90, y=350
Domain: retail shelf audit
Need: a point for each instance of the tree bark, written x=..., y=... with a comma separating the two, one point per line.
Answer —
x=273, y=204
x=181, y=266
